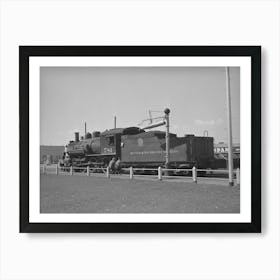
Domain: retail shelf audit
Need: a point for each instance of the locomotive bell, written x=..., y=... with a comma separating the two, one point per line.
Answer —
x=88, y=135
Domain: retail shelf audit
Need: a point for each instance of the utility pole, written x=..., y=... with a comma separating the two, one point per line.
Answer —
x=230, y=160
x=167, y=156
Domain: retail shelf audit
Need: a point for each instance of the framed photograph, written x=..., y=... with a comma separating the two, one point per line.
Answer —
x=157, y=139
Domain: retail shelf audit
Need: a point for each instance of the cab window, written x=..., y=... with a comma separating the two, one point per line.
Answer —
x=111, y=140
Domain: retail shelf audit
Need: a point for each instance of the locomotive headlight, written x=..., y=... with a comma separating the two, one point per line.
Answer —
x=122, y=144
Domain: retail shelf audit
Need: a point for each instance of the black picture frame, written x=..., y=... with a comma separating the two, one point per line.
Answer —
x=254, y=52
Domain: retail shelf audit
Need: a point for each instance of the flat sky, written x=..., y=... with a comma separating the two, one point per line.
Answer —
x=196, y=97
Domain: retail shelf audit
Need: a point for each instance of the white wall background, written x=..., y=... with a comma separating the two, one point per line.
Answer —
x=139, y=256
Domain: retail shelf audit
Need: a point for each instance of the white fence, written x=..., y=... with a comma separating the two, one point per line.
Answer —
x=159, y=173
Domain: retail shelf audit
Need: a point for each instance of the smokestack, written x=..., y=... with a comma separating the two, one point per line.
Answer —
x=115, y=122
x=76, y=136
x=85, y=129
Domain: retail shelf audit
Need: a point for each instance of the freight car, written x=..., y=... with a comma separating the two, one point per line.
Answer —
x=138, y=148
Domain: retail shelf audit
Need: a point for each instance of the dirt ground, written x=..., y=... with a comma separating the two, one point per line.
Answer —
x=82, y=194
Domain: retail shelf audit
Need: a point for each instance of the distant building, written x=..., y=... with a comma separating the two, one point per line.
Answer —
x=222, y=147
x=221, y=155
x=51, y=154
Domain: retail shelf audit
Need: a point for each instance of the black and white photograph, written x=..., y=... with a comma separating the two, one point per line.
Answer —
x=140, y=140
x=147, y=138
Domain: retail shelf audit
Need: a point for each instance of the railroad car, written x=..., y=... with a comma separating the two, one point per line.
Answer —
x=148, y=149
x=138, y=148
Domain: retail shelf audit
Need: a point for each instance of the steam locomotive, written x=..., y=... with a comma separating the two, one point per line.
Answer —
x=136, y=147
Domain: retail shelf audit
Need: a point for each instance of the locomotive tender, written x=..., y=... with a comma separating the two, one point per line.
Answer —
x=139, y=148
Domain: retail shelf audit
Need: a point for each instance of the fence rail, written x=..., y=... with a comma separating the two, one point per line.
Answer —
x=160, y=173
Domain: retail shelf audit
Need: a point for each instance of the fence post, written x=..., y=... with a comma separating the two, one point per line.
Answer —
x=131, y=172
x=238, y=176
x=194, y=174
x=87, y=170
x=159, y=173
x=71, y=170
x=56, y=169
x=108, y=172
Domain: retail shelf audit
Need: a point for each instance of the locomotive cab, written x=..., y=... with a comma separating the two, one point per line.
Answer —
x=110, y=140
